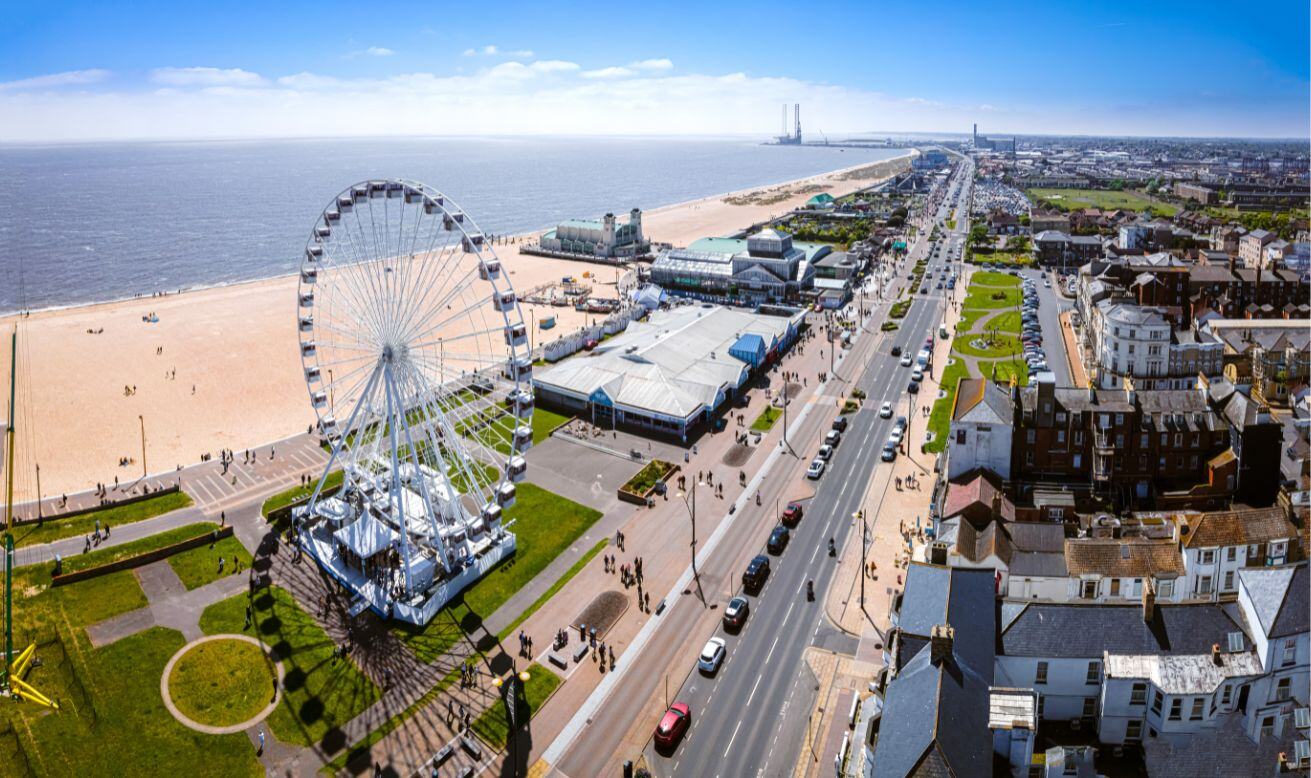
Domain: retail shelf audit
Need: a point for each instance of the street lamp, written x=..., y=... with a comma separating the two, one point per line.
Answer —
x=141, y=418
x=691, y=509
x=511, y=700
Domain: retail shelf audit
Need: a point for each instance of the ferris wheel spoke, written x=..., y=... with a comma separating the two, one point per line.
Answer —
x=450, y=443
x=418, y=318
x=440, y=325
x=432, y=267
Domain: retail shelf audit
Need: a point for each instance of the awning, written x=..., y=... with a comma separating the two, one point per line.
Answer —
x=366, y=537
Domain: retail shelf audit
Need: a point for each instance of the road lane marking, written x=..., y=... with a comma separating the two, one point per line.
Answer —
x=770, y=655
x=730, y=740
x=752, y=696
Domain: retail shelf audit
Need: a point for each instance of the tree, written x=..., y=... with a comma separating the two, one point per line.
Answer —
x=1017, y=243
x=978, y=235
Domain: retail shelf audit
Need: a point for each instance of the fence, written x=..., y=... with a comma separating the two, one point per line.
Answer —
x=145, y=558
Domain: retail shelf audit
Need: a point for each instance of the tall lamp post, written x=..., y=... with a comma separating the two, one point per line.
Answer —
x=510, y=697
x=691, y=509
x=141, y=418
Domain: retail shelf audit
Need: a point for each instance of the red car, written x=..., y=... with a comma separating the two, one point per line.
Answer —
x=590, y=344
x=792, y=514
x=673, y=725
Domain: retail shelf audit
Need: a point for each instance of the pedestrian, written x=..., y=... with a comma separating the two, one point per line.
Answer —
x=220, y=567
x=260, y=752
x=248, y=614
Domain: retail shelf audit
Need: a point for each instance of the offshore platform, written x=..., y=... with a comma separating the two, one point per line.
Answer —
x=793, y=139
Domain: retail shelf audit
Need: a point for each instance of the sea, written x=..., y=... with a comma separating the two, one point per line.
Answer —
x=100, y=222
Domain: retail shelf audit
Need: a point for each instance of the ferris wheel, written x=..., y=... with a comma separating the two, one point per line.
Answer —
x=416, y=359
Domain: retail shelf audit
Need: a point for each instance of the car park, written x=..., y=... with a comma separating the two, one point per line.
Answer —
x=815, y=470
x=792, y=514
x=673, y=725
x=778, y=540
x=757, y=572
x=736, y=612
x=886, y=410
x=712, y=656
x=825, y=452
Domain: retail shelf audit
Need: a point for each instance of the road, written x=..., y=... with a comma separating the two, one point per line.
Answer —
x=741, y=716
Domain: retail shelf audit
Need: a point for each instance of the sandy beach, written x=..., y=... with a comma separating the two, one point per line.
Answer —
x=221, y=369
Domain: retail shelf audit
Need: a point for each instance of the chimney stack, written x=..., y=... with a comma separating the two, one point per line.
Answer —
x=1149, y=600
x=1215, y=654
x=940, y=640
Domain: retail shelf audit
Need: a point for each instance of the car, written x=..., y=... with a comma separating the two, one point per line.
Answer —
x=840, y=424
x=886, y=410
x=914, y=387
x=673, y=725
x=712, y=656
x=792, y=514
x=924, y=289
x=1047, y=284
x=939, y=286
x=590, y=344
x=896, y=351
x=895, y=436
x=757, y=572
x=815, y=470
x=778, y=540
x=833, y=438
x=735, y=613
x=825, y=452
x=889, y=451
x=901, y=423
x=917, y=375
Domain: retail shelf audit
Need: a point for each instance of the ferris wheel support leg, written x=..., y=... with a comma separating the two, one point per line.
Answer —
x=399, y=506
x=427, y=498
x=350, y=424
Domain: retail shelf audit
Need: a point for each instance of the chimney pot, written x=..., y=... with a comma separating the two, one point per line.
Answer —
x=940, y=642
x=1149, y=600
x=1215, y=654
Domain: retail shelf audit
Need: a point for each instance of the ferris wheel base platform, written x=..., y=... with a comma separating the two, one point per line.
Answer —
x=420, y=608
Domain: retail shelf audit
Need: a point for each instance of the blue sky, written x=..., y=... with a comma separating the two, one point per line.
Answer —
x=89, y=70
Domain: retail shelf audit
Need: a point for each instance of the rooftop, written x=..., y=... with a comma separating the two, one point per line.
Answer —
x=1078, y=630
x=1184, y=673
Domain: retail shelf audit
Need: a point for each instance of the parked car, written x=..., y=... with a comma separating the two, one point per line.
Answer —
x=901, y=423
x=840, y=424
x=756, y=574
x=735, y=613
x=889, y=451
x=895, y=435
x=712, y=656
x=673, y=725
x=792, y=514
x=914, y=387
x=885, y=410
x=815, y=470
x=825, y=452
x=778, y=540
x=833, y=438
x=917, y=374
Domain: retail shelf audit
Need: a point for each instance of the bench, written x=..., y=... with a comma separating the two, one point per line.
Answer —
x=580, y=652
x=557, y=660
x=469, y=745
x=442, y=755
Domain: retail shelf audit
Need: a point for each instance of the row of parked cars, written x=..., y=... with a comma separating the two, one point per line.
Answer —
x=825, y=453
x=1030, y=328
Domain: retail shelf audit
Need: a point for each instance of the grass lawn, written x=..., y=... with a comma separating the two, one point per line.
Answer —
x=1105, y=199
x=320, y=694
x=951, y=224
x=493, y=726
x=552, y=589
x=298, y=493
x=993, y=278
x=199, y=566
x=545, y=524
x=140, y=546
x=85, y=524
x=1006, y=322
x=765, y=421
x=1003, y=346
x=222, y=682
x=1007, y=258
x=498, y=433
x=940, y=416
x=991, y=297
x=1003, y=369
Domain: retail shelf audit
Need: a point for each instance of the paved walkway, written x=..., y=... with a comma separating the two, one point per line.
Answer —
x=170, y=604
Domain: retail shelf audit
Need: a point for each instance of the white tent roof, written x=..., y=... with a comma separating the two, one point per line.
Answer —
x=366, y=536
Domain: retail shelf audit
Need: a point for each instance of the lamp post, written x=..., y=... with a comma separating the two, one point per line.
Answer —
x=141, y=418
x=511, y=699
x=864, y=544
x=691, y=509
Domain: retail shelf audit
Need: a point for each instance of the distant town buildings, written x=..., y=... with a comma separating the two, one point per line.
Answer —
x=605, y=239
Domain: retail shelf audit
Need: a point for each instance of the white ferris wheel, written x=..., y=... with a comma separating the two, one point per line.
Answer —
x=416, y=358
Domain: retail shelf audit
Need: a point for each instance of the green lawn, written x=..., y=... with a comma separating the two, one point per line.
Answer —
x=993, y=278
x=545, y=525
x=552, y=589
x=991, y=297
x=493, y=726
x=1003, y=369
x=1006, y=258
x=140, y=546
x=1003, y=346
x=298, y=493
x=765, y=421
x=1006, y=322
x=85, y=524
x=199, y=566
x=222, y=682
x=320, y=693
x=498, y=433
x=1105, y=199
x=940, y=416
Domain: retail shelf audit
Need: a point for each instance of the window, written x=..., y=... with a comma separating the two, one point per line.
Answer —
x=1199, y=707
x=1030, y=436
x=1094, y=673
x=1226, y=694
x=1176, y=709
x=1231, y=553
x=1157, y=698
x=1060, y=436
x=1115, y=587
x=1267, y=726
x=1078, y=437
x=1165, y=588
x=1060, y=417
x=1290, y=653
x=1229, y=581
x=1138, y=695
x=1119, y=419
x=1283, y=690
x=1165, y=438
x=1041, y=701
x=1178, y=439
x=960, y=436
x=1089, y=707
x=1041, y=675
x=1078, y=461
x=1142, y=440
x=1204, y=585
x=1089, y=590
x=1208, y=557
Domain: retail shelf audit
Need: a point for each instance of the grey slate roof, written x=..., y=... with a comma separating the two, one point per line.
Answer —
x=1086, y=631
x=1280, y=597
x=935, y=720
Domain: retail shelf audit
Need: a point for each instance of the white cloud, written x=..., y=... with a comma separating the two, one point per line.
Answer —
x=612, y=72
x=372, y=51
x=202, y=76
x=492, y=50
x=653, y=64
x=54, y=80
x=554, y=66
